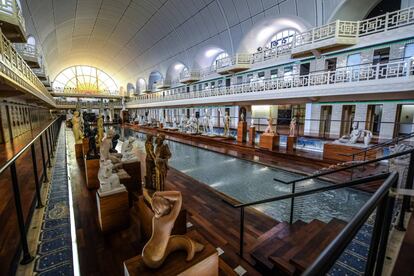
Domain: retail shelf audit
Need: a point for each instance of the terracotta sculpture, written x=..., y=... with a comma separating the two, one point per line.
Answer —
x=100, y=126
x=166, y=206
x=162, y=154
x=77, y=128
x=269, y=127
x=150, y=163
x=292, y=127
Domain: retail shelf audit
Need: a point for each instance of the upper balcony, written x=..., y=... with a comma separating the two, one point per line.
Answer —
x=12, y=21
x=63, y=104
x=41, y=73
x=188, y=76
x=233, y=64
x=365, y=79
x=163, y=84
x=340, y=34
x=29, y=53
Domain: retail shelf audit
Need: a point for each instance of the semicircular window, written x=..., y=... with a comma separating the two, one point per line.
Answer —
x=85, y=80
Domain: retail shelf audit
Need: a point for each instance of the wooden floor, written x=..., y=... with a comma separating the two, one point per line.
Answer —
x=9, y=234
x=214, y=219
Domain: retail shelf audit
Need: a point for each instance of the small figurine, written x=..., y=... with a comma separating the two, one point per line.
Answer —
x=269, y=127
x=292, y=127
x=76, y=127
x=162, y=154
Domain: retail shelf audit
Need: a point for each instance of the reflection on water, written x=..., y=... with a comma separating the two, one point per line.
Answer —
x=247, y=181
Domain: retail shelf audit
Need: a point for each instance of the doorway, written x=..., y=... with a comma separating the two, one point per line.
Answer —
x=228, y=82
x=304, y=69
x=373, y=120
x=348, y=115
x=325, y=121
x=404, y=119
x=330, y=64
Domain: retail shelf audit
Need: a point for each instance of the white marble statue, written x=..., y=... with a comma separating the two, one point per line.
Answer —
x=107, y=179
x=127, y=150
x=105, y=147
x=269, y=127
x=367, y=137
x=211, y=126
x=252, y=122
x=353, y=137
x=205, y=122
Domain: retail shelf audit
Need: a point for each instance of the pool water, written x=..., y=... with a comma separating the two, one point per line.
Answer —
x=248, y=181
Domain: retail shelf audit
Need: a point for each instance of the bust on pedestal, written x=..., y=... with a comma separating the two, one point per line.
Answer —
x=252, y=133
x=269, y=139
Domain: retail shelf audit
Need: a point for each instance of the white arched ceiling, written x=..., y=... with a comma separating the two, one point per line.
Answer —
x=131, y=38
x=353, y=10
x=173, y=72
x=260, y=34
x=154, y=79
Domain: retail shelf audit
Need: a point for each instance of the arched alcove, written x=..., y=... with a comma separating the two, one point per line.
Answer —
x=141, y=86
x=174, y=71
x=154, y=79
x=130, y=89
x=262, y=32
x=31, y=40
x=206, y=56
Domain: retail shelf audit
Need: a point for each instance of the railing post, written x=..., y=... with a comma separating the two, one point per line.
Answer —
x=292, y=203
x=45, y=179
x=406, y=199
x=48, y=151
x=27, y=258
x=241, y=245
x=36, y=176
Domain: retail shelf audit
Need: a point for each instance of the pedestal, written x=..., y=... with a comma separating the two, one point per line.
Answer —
x=252, y=136
x=113, y=211
x=343, y=152
x=204, y=263
x=134, y=185
x=291, y=143
x=78, y=151
x=85, y=146
x=145, y=215
x=269, y=141
x=91, y=173
x=242, y=132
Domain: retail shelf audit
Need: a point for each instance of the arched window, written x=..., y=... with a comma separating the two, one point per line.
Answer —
x=86, y=80
x=218, y=61
x=31, y=40
x=281, y=38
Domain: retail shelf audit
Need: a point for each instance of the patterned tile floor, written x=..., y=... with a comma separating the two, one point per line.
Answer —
x=54, y=252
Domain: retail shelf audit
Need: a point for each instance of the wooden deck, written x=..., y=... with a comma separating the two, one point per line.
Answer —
x=9, y=234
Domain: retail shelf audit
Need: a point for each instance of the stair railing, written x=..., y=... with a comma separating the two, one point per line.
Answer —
x=352, y=183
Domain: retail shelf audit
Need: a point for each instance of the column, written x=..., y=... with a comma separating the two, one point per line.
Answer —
x=336, y=119
x=389, y=111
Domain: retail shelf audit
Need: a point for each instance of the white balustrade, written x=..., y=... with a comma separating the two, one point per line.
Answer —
x=12, y=9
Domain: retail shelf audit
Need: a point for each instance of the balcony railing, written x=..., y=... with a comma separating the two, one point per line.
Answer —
x=94, y=105
x=236, y=63
x=29, y=53
x=14, y=68
x=14, y=25
x=355, y=74
x=74, y=92
x=190, y=76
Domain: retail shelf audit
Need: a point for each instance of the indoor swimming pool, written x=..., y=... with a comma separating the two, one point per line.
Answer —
x=248, y=181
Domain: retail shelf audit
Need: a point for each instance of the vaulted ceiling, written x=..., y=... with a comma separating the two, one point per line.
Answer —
x=130, y=38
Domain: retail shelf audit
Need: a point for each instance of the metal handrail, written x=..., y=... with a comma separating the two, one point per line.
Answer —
x=394, y=155
x=17, y=155
x=334, y=250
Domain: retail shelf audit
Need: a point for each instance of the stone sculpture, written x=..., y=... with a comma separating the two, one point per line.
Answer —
x=150, y=163
x=292, y=127
x=226, y=120
x=107, y=179
x=105, y=148
x=166, y=206
x=127, y=150
x=92, y=152
x=353, y=137
x=76, y=127
x=162, y=154
x=269, y=127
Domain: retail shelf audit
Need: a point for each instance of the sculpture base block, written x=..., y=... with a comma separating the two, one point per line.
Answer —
x=91, y=173
x=113, y=210
x=291, y=143
x=85, y=146
x=78, y=151
x=336, y=151
x=134, y=185
x=252, y=136
x=204, y=263
x=242, y=132
x=145, y=215
x=269, y=141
